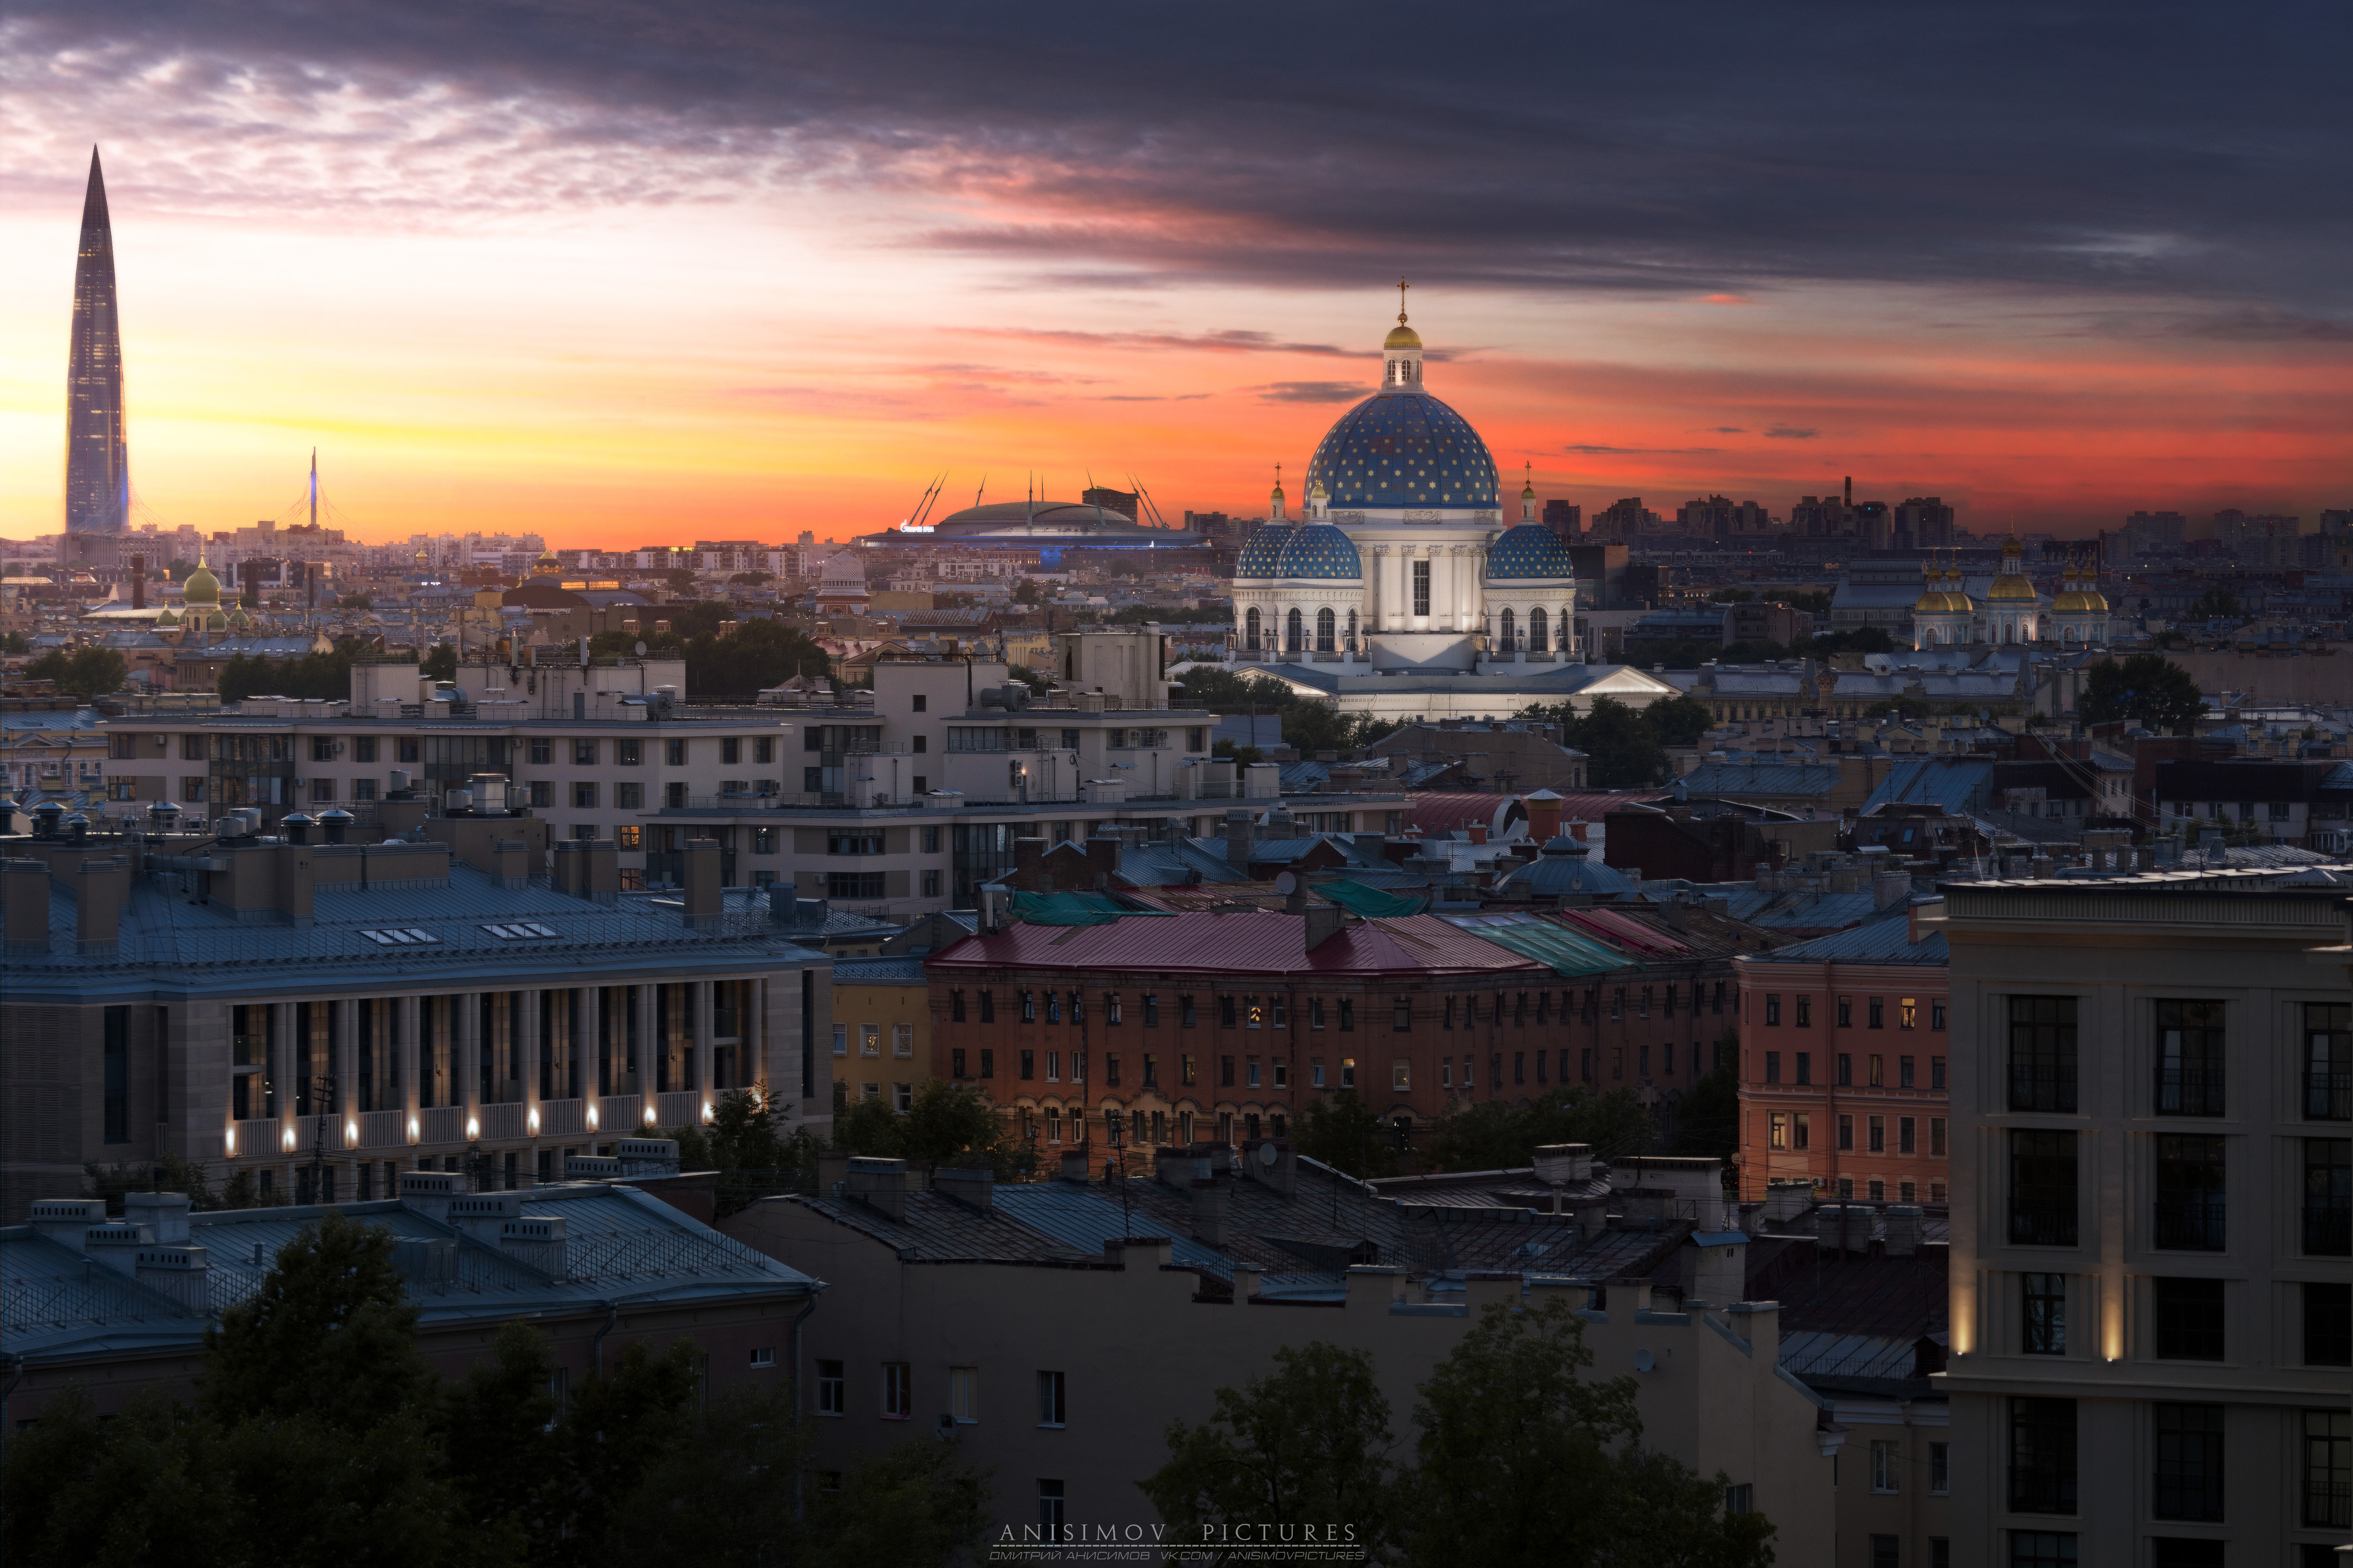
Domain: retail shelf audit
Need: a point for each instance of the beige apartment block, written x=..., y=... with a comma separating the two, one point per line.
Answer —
x=2150, y=1198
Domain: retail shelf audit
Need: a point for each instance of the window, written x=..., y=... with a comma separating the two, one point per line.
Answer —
x=2188, y=1461
x=1401, y=1014
x=1348, y=1071
x=841, y=1040
x=1905, y=1141
x=2189, y=1058
x=2328, y=1196
x=1421, y=587
x=1878, y=1072
x=542, y=792
x=1907, y=1014
x=1903, y=1073
x=1878, y=1125
x=1846, y=1132
x=2042, y=1456
x=322, y=789
x=2041, y=1188
x=2329, y=1060
x=1772, y=1067
x=1186, y=1070
x=627, y=753
x=2045, y=1298
x=1780, y=1130
x=674, y=753
x=629, y=834
x=1879, y=1012
x=1029, y=1065
x=1940, y=1468
x=987, y=1062
x=1226, y=1018
x=988, y=1006
x=902, y=1039
x=1150, y=1009
x=1050, y=1399
x=1185, y=1017
x=2328, y=1325
x=584, y=797
x=1347, y=1013
x=1740, y=1499
x=1805, y=1064
x=1805, y=1011
x=963, y=1394
x=2189, y=1194
x=583, y=753
x=1772, y=1015
x=853, y=884
x=1936, y=1073
x=1883, y=1465
x=363, y=749
x=870, y=1039
x=764, y=1356
x=1937, y=1136
x=898, y=1391
x=2042, y=1549
x=831, y=1398
x=2328, y=1469
x=955, y=1062
x=2043, y=1053
x=2189, y=1318
x=1801, y=1136
x=1049, y=1493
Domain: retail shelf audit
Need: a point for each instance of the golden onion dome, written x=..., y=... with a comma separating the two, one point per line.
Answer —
x=1401, y=337
x=215, y=621
x=2014, y=584
x=167, y=619
x=237, y=617
x=201, y=588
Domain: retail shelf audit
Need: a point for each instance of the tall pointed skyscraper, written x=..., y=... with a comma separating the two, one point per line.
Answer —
x=98, y=459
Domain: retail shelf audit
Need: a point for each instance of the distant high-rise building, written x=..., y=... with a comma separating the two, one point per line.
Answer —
x=1566, y=519
x=1923, y=522
x=2148, y=532
x=1125, y=502
x=1822, y=517
x=1624, y=519
x=98, y=459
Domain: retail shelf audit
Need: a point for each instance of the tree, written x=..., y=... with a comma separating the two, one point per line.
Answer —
x=949, y=1120
x=752, y=578
x=356, y=602
x=1526, y=1461
x=923, y=1502
x=329, y=1334
x=1677, y=720
x=1346, y=1134
x=2216, y=605
x=1622, y=751
x=743, y=1143
x=1496, y=1135
x=440, y=663
x=168, y=1173
x=760, y=653
x=870, y=1127
x=1732, y=597
x=680, y=580
x=322, y=675
x=86, y=671
x=618, y=1425
x=1308, y=1444
x=1026, y=593
x=13, y=642
x=496, y=1427
x=1707, y=1118
x=2147, y=688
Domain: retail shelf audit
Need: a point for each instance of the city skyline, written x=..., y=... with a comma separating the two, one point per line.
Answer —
x=501, y=289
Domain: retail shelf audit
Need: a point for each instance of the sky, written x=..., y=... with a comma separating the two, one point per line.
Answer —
x=626, y=273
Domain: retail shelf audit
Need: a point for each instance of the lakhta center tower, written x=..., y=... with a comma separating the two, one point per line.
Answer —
x=98, y=458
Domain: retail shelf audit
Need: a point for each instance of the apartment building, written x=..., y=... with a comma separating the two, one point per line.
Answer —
x=323, y=1018
x=881, y=1028
x=897, y=803
x=2151, y=1193
x=1845, y=1064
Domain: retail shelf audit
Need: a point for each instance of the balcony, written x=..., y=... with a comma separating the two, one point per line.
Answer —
x=2191, y=1225
x=2042, y=1221
x=2328, y=1094
x=2036, y=1086
x=2034, y=1490
x=2327, y=1230
x=2189, y=1090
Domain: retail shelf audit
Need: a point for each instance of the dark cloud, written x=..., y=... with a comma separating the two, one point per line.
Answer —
x=1310, y=391
x=1228, y=340
x=2259, y=324
x=2070, y=149
x=1731, y=429
x=1791, y=433
x=1592, y=452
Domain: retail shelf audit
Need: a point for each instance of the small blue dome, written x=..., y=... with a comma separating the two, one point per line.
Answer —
x=1261, y=550
x=1403, y=449
x=1566, y=868
x=1319, y=550
x=1531, y=550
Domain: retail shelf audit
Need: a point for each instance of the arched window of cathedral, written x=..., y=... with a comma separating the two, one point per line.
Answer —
x=1325, y=624
x=1537, y=632
x=1509, y=628
x=1295, y=630
x=1250, y=630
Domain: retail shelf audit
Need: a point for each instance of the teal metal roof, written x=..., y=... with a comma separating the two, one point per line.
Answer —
x=1370, y=902
x=1078, y=909
x=1571, y=954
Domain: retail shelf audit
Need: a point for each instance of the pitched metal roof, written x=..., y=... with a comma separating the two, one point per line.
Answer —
x=1956, y=784
x=877, y=971
x=1762, y=778
x=1879, y=941
x=1252, y=943
x=1567, y=951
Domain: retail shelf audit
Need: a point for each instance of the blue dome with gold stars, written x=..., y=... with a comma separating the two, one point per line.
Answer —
x=1319, y=550
x=1529, y=550
x=1260, y=551
x=1403, y=449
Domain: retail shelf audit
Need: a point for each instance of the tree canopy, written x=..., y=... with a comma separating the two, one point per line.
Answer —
x=2147, y=688
x=1497, y=1135
x=1346, y=1134
x=86, y=671
x=326, y=675
x=1309, y=724
x=1625, y=747
x=945, y=1122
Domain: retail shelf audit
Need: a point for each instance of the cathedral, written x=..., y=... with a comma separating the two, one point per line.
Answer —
x=2012, y=610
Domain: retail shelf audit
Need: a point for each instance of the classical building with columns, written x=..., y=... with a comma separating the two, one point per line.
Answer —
x=328, y=1016
x=1402, y=589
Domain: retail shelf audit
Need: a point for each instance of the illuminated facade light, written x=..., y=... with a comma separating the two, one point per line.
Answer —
x=592, y=1118
x=412, y=1129
x=473, y=1127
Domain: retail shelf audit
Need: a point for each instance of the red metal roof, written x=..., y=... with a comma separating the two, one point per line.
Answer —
x=1621, y=931
x=1252, y=943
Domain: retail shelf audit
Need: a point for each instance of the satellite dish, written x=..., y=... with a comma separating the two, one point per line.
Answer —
x=641, y=650
x=1645, y=1362
x=1266, y=1154
x=1287, y=884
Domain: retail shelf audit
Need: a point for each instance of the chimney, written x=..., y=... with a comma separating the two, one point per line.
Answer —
x=832, y=1172
x=1543, y=815
x=1238, y=839
x=974, y=1188
x=480, y=1215
x=165, y=1215
x=1839, y=1229
x=65, y=1219
x=702, y=883
x=1211, y=1199
x=565, y=867
x=1027, y=855
x=1564, y=1164
x=428, y=1192
x=25, y=886
x=880, y=1184
x=1103, y=861
x=1273, y=1163
x=1904, y=1228
x=1074, y=1166
x=115, y=1245
x=604, y=872
x=98, y=903
x=1321, y=922
x=179, y=1272
x=1714, y=1268
x=1889, y=888
x=139, y=582
x=511, y=863
x=541, y=1243
x=426, y=1261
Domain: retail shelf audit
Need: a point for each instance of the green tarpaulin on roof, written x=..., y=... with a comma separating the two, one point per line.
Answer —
x=1372, y=903
x=1075, y=909
x=1570, y=953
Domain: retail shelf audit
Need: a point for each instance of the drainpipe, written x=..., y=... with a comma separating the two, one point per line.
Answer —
x=800, y=1505
x=596, y=1345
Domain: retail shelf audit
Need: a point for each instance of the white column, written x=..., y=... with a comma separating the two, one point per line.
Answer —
x=581, y=1045
x=282, y=1059
x=467, y=1037
x=347, y=1071
x=408, y=1026
x=702, y=1048
x=1468, y=568
x=642, y=1059
x=534, y=1003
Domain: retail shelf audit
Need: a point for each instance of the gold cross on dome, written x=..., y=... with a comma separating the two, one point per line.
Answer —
x=1402, y=287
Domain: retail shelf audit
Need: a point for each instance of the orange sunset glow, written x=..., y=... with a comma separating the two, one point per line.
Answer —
x=490, y=308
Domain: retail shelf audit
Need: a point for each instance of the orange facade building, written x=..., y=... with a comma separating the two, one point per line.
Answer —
x=1845, y=1060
